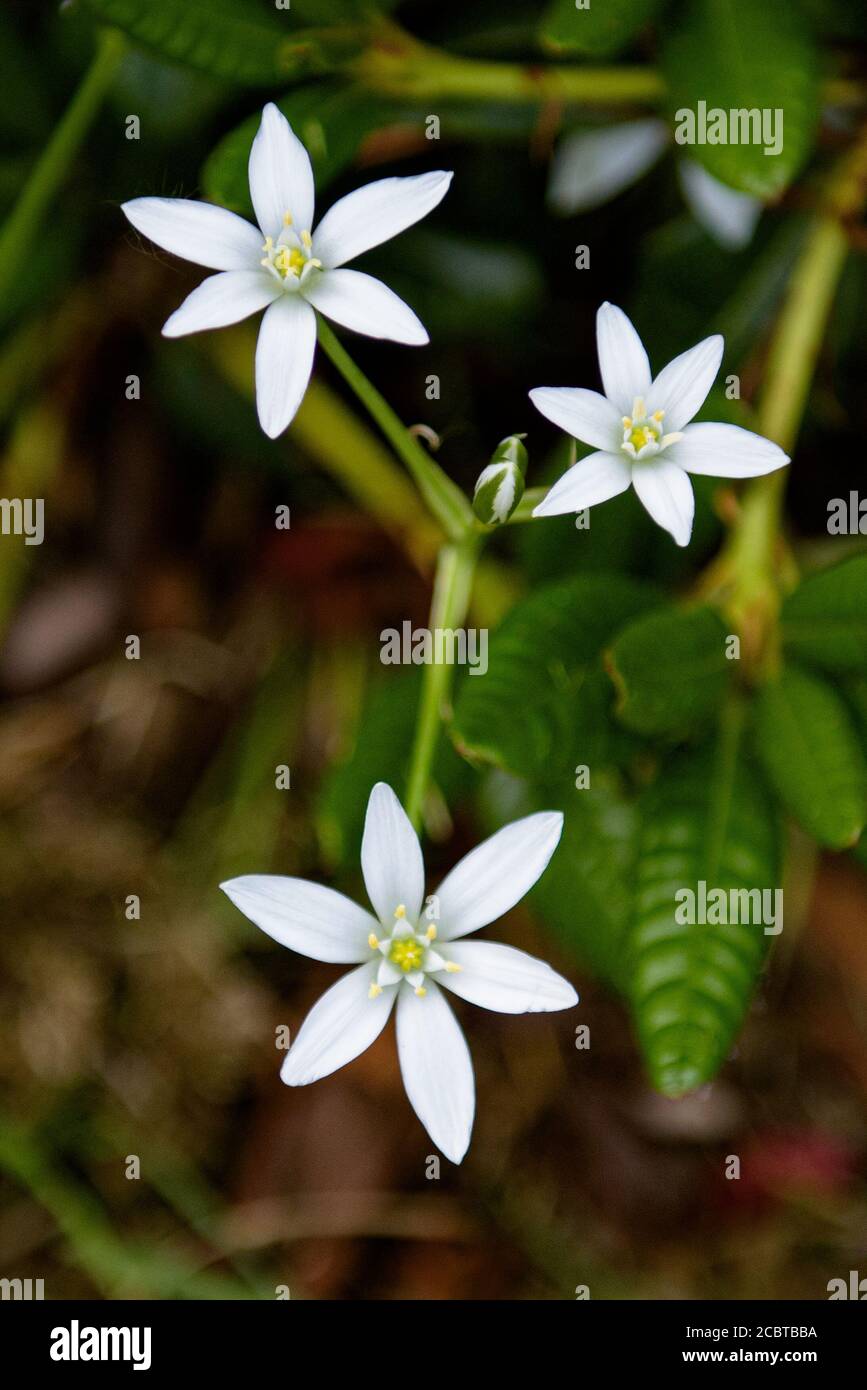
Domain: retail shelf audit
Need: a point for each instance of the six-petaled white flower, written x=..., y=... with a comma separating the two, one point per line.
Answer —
x=287, y=268
x=640, y=429
x=404, y=953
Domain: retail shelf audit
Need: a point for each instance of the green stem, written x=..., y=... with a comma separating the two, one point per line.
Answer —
x=451, y=597
x=749, y=565
x=22, y=228
x=445, y=499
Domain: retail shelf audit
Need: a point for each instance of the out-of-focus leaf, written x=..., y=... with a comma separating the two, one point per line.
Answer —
x=706, y=820
x=331, y=120
x=542, y=704
x=381, y=754
x=234, y=43
x=737, y=56
x=809, y=747
x=825, y=620
x=670, y=670
x=600, y=28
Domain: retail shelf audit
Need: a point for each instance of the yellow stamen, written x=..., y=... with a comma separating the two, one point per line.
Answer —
x=373, y=941
x=287, y=218
x=452, y=967
x=421, y=991
x=627, y=422
x=400, y=911
x=374, y=991
x=307, y=239
x=658, y=416
x=431, y=932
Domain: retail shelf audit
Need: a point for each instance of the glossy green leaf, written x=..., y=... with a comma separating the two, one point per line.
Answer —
x=330, y=119
x=707, y=820
x=670, y=670
x=229, y=41
x=542, y=706
x=807, y=741
x=825, y=620
x=740, y=56
x=600, y=28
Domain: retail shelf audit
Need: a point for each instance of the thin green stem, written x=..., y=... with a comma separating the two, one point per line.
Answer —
x=22, y=228
x=451, y=597
x=445, y=499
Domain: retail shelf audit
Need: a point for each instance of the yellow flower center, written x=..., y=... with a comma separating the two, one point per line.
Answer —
x=290, y=257
x=406, y=954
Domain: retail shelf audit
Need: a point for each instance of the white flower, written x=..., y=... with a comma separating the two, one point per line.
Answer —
x=592, y=166
x=286, y=268
x=407, y=951
x=641, y=430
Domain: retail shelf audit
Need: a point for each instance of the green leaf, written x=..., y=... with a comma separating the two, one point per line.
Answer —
x=670, y=670
x=809, y=747
x=329, y=118
x=601, y=27
x=707, y=820
x=825, y=620
x=226, y=40
x=543, y=704
x=737, y=55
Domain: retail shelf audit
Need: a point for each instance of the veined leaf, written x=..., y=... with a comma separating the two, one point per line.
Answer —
x=226, y=40
x=706, y=821
x=736, y=56
x=807, y=741
x=540, y=704
x=600, y=28
x=670, y=669
x=825, y=620
x=329, y=118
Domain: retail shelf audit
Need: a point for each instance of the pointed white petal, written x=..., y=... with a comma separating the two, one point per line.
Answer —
x=501, y=978
x=591, y=480
x=198, y=232
x=376, y=213
x=681, y=387
x=591, y=167
x=666, y=493
x=222, y=299
x=391, y=857
x=284, y=361
x=366, y=305
x=727, y=215
x=281, y=179
x=436, y=1069
x=307, y=917
x=725, y=451
x=496, y=874
x=339, y=1027
x=586, y=415
x=622, y=359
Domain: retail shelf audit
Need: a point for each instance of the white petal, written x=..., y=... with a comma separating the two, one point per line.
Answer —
x=496, y=874
x=681, y=387
x=281, y=179
x=199, y=232
x=666, y=493
x=376, y=213
x=366, y=305
x=509, y=981
x=284, y=361
x=436, y=1069
x=391, y=857
x=591, y=167
x=728, y=215
x=725, y=451
x=222, y=299
x=622, y=359
x=338, y=1028
x=586, y=415
x=307, y=917
x=591, y=480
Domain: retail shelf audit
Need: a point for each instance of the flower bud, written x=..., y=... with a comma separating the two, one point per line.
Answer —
x=500, y=486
